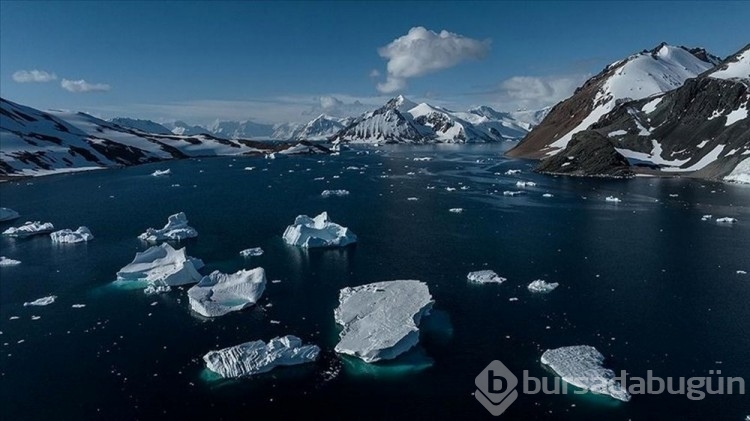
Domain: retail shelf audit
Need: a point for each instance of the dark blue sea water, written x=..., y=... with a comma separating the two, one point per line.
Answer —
x=645, y=281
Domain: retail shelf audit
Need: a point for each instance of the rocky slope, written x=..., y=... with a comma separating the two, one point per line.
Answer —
x=639, y=76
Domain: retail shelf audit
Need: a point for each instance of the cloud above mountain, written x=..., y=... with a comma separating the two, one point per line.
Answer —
x=81, y=85
x=39, y=76
x=534, y=92
x=422, y=51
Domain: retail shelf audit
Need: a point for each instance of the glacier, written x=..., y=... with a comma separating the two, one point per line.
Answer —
x=485, y=277
x=309, y=232
x=380, y=321
x=162, y=266
x=177, y=229
x=219, y=293
x=29, y=228
x=257, y=357
x=81, y=235
x=582, y=367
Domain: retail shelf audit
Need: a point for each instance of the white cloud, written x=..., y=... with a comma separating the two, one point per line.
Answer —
x=532, y=92
x=25, y=76
x=374, y=73
x=422, y=51
x=83, y=86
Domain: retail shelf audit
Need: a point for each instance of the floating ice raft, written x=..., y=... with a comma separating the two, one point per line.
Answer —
x=177, y=229
x=257, y=357
x=220, y=293
x=29, y=228
x=582, y=367
x=162, y=266
x=81, y=235
x=309, y=232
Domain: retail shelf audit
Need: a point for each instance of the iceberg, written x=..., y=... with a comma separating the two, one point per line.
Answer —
x=525, y=184
x=159, y=173
x=219, y=293
x=541, y=286
x=726, y=220
x=331, y=193
x=582, y=367
x=612, y=199
x=8, y=214
x=512, y=172
x=485, y=277
x=29, y=228
x=257, y=357
x=177, y=229
x=6, y=261
x=512, y=193
x=81, y=235
x=455, y=210
x=547, y=195
x=42, y=301
x=381, y=320
x=252, y=252
x=162, y=266
x=309, y=232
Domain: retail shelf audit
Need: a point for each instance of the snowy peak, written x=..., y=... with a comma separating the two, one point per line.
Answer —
x=400, y=103
x=320, y=128
x=146, y=126
x=736, y=67
x=181, y=128
x=241, y=129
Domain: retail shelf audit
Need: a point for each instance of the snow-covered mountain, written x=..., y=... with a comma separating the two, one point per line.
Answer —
x=639, y=76
x=403, y=121
x=320, y=128
x=241, y=129
x=34, y=142
x=146, y=126
x=183, y=129
x=700, y=129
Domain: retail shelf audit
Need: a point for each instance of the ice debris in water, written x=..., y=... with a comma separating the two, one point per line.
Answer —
x=455, y=210
x=612, y=199
x=706, y=217
x=309, y=232
x=6, y=261
x=41, y=301
x=162, y=266
x=159, y=173
x=512, y=172
x=8, y=214
x=380, y=321
x=542, y=286
x=177, y=229
x=220, y=293
x=29, y=228
x=547, y=195
x=726, y=220
x=525, y=184
x=512, y=193
x=582, y=367
x=257, y=357
x=81, y=235
x=252, y=252
x=332, y=193
x=485, y=277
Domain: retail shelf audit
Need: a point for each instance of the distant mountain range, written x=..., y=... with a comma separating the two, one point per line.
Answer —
x=670, y=110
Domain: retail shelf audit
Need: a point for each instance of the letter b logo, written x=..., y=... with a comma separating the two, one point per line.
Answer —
x=496, y=388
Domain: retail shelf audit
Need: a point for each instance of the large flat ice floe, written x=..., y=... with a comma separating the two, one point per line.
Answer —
x=8, y=214
x=485, y=277
x=258, y=357
x=542, y=286
x=162, y=266
x=29, y=228
x=220, y=293
x=81, y=235
x=177, y=229
x=381, y=320
x=45, y=301
x=309, y=232
x=582, y=367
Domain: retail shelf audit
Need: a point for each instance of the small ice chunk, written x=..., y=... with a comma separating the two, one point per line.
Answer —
x=162, y=266
x=45, y=301
x=426, y=158
x=381, y=320
x=547, y=195
x=153, y=289
x=512, y=193
x=29, y=228
x=726, y=220
x=456, y=210
x=252, y=252
x=542, y=286
x=309, y=232
x=613, y=199
x=331, y=193
x=582, y=367
x=159, y=173
x=485, y=277
x=177, y=229
x=412, y=199
x=512, y=172
x=741, y=272
x=525, y=184
x=81, y=235
x=78, y=305
x=706, y=217
x=8, y=214
x=249, y=168
x=220, y=293
x=450, y=189
x=258, y=357
x=6, y=261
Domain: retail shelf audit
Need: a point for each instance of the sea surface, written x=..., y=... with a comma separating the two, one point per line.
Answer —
x=645, y=281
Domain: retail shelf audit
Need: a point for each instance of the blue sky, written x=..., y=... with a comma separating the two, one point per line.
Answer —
x=275, y=61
